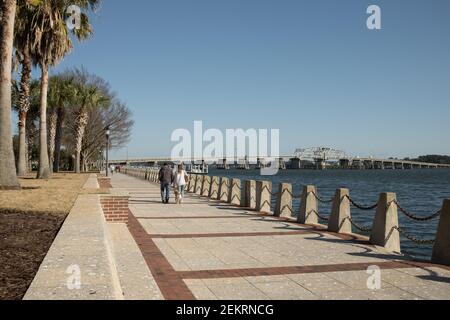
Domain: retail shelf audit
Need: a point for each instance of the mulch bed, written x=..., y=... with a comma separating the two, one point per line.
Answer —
x=25, y=239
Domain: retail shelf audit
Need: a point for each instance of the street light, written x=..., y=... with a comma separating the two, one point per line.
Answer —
x=108, y=133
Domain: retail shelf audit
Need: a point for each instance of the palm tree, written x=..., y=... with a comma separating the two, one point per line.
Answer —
x=22, y=44
x=51, y=42
x=89, y=92
x=8, y=176
x=59, y=96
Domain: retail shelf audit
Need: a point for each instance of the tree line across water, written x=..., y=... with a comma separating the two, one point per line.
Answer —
x=63, y=118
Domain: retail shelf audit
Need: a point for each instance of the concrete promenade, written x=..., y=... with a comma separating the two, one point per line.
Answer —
x=204, y=249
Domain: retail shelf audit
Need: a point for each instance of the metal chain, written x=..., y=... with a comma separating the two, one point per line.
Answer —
x=414, y=217
x=214, y=182
x=358, y=226
x=287, y=207
x=269, y=191
x=236, y=185
x=292, y=195
x=413, y=239
x=321, y=217
x=322, y=200
x=318, y=215
x=361, y=207
x=236, y=197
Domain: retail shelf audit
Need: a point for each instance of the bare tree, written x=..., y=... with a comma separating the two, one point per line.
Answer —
x=118, y=119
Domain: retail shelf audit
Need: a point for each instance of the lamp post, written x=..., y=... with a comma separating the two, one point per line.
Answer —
x=108, y=132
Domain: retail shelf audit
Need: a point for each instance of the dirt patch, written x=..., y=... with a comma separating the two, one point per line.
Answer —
x=24, y=242
x=30, y=219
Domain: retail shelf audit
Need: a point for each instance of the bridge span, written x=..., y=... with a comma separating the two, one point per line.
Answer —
x=288, y=162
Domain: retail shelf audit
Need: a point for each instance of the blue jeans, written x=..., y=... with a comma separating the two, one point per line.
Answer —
x=165, y=191
x=181, y=190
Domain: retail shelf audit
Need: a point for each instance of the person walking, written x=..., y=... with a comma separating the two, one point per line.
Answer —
x=166, y=178
x=180, y=181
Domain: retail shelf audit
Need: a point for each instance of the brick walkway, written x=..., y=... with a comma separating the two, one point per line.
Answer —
x=207, y=250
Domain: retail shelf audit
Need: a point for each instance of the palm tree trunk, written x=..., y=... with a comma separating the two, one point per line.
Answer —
x=8, y=176
x=24, y=106
x=52, y=135
x=58, y=139
x=22, y=160
x=44, y=167
x=79, y=135
x=31, y=139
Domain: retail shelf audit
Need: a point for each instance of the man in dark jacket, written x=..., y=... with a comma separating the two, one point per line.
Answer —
x=166, y=180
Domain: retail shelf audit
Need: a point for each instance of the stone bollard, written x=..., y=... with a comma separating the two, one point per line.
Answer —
x=224, y=189
x=189, y=182
x=206, y=186
x=235, y=192
x=193, y=184
x=250, y=194
x=198, y=190
x=441, y=249
x=264, y=196
x=340, y=213
x=214, y=190
x=308, y=208
x=386, y=219
x=284, y=201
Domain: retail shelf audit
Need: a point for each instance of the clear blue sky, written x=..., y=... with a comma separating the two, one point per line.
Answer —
x=309, y=68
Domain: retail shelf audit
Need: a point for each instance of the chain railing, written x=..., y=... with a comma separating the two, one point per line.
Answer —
x=321, y=200
x=317, y=214
x=416, y=217
x=361, y=207
x=231, y=193
x=414, y=239
x=292, y=194
x=237, y=185
x=273, y=194
x=357, y=225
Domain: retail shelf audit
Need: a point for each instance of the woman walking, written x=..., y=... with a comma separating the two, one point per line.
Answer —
x=180, y=182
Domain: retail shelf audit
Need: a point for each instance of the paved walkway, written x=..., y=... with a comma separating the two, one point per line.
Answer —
x=207, y=250
x=79, y=264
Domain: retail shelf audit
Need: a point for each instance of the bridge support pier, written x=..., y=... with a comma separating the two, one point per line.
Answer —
x=320, y=164
x=340, y=214
x=309, y=208
x=383, y=232
x=284, y=201
x=344, y=164
x=441, y=250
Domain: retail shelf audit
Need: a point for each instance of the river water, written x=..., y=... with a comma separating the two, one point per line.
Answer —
x=419, y=191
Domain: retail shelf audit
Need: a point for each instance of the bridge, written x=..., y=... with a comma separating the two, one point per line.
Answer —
x=311, y=158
